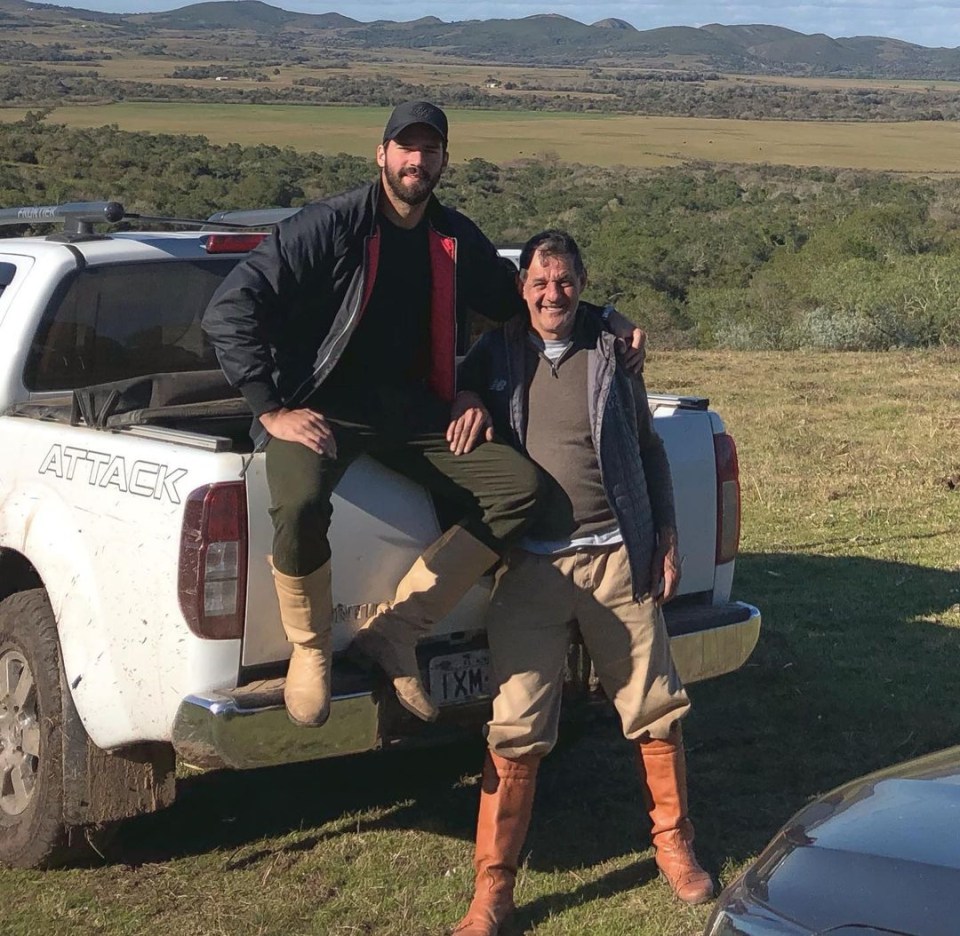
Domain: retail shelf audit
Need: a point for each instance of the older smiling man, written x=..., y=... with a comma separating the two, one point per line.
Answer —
x=602, y=554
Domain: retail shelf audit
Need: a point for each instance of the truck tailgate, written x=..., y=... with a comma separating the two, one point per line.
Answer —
x=381, y=522
x=688, y=437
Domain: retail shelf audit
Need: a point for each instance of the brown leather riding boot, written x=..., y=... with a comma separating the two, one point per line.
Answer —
x=305, y=612
x=427, y=593
x=663, y=776
x=506, y=803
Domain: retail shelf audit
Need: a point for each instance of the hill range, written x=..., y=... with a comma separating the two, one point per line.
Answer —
x=545, y=39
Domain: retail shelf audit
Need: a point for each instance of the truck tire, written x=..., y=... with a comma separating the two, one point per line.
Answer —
x=32, y=830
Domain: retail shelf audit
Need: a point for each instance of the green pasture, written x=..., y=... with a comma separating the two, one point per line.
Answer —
x=850, y=470
x=605, y=140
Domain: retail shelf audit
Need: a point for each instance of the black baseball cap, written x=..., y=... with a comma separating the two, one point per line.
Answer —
x=415, y=112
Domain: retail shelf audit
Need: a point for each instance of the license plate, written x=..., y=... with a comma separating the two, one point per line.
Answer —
x=460, y=677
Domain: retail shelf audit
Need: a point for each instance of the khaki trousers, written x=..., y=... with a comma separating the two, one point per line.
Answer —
x=535, y=601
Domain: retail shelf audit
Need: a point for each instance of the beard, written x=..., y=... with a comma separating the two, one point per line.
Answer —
x=410, y=194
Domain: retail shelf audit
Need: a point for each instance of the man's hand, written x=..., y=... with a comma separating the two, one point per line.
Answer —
x=633, y=351
x=301, y=425
x=634, y=355
x=469, y=420
x=665, y=572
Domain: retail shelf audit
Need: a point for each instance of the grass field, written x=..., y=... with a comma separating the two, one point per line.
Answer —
x=850, y=466
x=605, y=140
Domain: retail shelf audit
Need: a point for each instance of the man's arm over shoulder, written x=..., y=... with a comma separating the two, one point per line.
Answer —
x=488, y=283
x=255, y=300
x=632, y=348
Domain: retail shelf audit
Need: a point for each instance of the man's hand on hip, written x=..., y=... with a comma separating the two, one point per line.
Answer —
x=665, y=572
x=301, y=425
x=470, y=423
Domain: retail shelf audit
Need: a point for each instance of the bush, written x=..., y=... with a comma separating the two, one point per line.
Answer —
x=863, y=305
x=746, y=257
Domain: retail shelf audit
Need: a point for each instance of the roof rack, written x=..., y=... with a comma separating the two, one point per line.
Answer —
x=78, y=218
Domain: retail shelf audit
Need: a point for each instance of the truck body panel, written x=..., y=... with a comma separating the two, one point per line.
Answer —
x=99, y=515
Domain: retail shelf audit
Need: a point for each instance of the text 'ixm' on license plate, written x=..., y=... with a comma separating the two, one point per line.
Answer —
x=460, y=677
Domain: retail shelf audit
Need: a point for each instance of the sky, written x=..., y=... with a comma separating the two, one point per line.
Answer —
x=930, y=24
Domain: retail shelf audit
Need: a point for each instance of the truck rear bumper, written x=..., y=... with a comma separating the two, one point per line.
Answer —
x=249, y=727
x=710, y=641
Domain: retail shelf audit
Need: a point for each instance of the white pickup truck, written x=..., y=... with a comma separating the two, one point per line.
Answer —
x=138, y=619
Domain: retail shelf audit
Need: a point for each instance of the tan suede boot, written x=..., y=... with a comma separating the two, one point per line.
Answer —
x=305, y=611
x=430, y=590
x=506, y=804
x=663, y=774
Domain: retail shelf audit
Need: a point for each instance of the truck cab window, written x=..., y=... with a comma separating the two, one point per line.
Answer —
x=124, y=321
x=7, y=273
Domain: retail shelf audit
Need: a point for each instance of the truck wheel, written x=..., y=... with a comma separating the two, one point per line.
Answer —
x=32, y=831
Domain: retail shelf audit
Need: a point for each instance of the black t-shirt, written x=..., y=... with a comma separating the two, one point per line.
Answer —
x=390, y=346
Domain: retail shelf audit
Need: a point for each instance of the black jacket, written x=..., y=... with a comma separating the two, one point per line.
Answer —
x=282, y=317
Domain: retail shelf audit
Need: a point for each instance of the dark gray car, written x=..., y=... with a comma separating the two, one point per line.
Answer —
x=878, y=855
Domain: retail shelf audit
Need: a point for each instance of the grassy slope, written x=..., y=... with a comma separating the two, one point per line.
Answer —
x=849, y=548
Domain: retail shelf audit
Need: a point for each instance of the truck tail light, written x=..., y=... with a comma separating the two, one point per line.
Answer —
x=212, y=583
x=728, y=497
x=233, y=243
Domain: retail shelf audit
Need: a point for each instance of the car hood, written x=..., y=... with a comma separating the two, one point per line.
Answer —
x=882, y=851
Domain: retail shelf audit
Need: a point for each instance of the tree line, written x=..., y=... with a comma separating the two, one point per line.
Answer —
x=736, y=257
